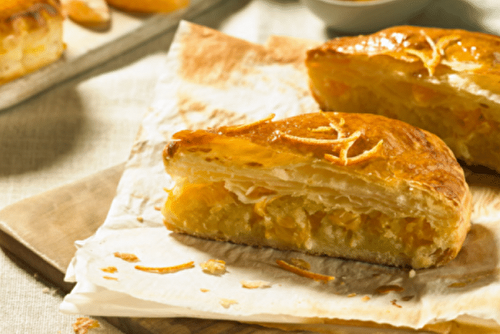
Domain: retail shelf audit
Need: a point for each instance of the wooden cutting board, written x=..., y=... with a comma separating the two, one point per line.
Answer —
x=86, y=48
x=74, y=212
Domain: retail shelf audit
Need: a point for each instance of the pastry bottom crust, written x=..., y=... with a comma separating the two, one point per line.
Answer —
x=297, y=223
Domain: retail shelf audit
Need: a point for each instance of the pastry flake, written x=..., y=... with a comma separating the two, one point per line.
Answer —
x=213, y=267
x=110, y=269
x=126, y=257
x=393, y=194
x=226, y=303
x=255, y=284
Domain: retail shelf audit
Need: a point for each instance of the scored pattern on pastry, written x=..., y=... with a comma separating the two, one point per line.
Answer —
x=342, y=159
x=342, y=142
x=241, y=128
x=438, y=51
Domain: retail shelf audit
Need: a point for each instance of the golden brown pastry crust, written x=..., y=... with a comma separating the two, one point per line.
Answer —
x=149, y=6
x=412, y=45
x=92, y=13
x=441, y=80
x=30, y=36
x=380, y=155
x=408, y=153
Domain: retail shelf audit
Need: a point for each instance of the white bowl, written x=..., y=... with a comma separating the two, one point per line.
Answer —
x=364, y=16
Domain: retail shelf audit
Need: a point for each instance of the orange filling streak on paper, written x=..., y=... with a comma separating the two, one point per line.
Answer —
x=166, y=270
x=127, y=257
x=304, y=273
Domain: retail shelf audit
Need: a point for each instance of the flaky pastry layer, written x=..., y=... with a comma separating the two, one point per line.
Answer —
x=355, y=186
x=444, y=81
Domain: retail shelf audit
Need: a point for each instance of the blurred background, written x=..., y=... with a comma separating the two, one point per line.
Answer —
x=88, y=123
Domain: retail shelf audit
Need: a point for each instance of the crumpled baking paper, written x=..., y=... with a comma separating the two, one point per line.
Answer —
x=211, y=80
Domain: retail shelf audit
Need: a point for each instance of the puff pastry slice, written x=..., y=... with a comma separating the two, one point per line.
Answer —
x=355, y=186
x=444, y=81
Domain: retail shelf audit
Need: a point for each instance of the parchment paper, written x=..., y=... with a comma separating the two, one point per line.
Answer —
x=214, y=79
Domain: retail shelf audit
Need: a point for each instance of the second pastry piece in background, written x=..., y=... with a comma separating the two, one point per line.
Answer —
x=444, y=81
x=30, y=36
x=355, y=186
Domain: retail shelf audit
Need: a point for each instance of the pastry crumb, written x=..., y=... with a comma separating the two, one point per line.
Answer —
x=83, y=324
x=166, y=270
x=213, y=267
x=127, y=257
x=110, y=278
x=204, y=290
x=412, y=273
x=365, y=298
x=140, y=219
x=255, y=284
x=352, y=295
x=226, y=303
x=157, y=208
x=389, y=288
x=303, y=264
x=393, y=302
x=110, y=270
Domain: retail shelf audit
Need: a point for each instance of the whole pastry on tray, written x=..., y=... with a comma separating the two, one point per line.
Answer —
x=356, y=186
x=444, y=81
x=30, y=36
